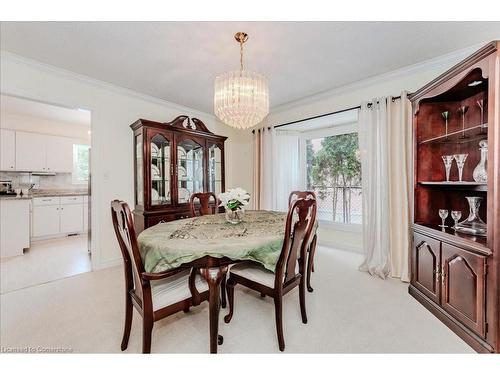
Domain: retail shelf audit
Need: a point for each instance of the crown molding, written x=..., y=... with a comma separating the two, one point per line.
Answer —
x=443, y=61
x=9, y=56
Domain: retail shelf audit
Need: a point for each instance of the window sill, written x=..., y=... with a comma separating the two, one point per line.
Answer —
x=355, y=228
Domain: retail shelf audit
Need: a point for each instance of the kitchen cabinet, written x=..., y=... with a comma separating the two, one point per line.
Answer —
x=55, y=216
x=59, y=154
x=7, y=150
x=45, y=221
x=43, y=153
x=30, y=152
x=14, y=226
x=86, y=214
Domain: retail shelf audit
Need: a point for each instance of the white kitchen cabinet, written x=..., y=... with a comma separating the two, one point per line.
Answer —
x=56, y=216
x=14, y=226
x=7, y=150
x=71, y=218
x=46, y=221
x=30, y=152
x=85, y=214
x=59, y=154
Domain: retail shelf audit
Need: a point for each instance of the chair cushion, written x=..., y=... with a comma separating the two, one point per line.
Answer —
x=255, y=273
x=174, y=289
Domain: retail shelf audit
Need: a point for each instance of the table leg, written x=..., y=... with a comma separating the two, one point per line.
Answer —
x=214, y=276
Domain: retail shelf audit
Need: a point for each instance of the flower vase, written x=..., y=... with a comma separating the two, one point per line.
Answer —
x=235, y=216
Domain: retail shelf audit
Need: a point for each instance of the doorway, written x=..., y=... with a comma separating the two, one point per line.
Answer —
x=45, y=200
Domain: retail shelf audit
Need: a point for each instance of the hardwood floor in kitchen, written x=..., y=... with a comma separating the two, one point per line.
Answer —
x=45, y=261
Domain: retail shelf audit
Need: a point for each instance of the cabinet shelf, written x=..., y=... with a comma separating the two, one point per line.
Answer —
x=471, y=135
x=466, y=185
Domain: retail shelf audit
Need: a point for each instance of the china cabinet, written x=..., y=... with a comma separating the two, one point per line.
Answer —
x=455, y=256
x=172, y=161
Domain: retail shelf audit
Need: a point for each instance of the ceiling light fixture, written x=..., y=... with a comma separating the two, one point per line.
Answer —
x=474, y=83
x=241, y=97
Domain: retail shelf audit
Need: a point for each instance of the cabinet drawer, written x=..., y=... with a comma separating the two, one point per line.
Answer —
x=46, y=201
x=72, y=199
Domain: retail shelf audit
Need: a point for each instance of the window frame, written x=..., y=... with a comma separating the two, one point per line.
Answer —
x=75, y=181
x=346, y=128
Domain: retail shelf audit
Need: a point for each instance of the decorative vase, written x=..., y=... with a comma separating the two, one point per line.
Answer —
x=473, y=224
x=235, y=216
x=480, y=174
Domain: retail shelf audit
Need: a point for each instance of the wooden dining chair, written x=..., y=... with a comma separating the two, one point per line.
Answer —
x=154, y=295
x=289, y=268
x=207, y=206
x=311, y=248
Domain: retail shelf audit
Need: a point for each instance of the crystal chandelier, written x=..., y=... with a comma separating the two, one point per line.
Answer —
x=241, y=97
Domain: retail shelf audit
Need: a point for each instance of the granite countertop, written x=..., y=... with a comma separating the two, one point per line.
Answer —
x=47, y=193
x=14, y=197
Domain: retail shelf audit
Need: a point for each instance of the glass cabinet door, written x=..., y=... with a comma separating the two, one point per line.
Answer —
x=189, y=169
x=160, y=170
x=139, y=172
x=215, y=169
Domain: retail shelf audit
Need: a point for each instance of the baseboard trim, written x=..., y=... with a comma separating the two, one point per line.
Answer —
x=474, y=341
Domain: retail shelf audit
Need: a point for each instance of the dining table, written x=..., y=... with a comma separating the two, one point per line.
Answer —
x=211, y=244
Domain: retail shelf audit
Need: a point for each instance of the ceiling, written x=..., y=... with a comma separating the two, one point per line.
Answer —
x=25, y=107
x=178, y=61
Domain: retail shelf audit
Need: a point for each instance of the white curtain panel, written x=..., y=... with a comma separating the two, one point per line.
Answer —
x=385, y=149
x=277, y=168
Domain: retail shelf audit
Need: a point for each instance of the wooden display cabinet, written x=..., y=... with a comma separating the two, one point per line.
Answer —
x=453, y=274
x=173, y=160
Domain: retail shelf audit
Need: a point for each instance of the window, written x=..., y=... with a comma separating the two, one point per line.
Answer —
x=80, y=164
x=333, y=172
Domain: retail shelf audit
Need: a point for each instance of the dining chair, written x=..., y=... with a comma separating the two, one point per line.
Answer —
x=311, y=248
x=154, y=295
x=207, y=206
x=289, y=268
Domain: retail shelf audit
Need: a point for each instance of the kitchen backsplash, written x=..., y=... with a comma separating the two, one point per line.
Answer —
x=58, y=182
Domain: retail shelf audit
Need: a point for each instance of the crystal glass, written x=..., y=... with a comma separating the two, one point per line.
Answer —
x=446, y=116
x=447, y=160
x=241, y=98
x=463, y=110
x=480, y=104
x=460, y=159
x=456, y=215
x=480, y=173
x=443, y=214
x=473, y=224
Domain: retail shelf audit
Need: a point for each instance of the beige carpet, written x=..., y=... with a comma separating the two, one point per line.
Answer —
x=349, y=312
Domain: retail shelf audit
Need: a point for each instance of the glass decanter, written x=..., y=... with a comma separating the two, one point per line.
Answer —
x=473, y=224
x=480, y=173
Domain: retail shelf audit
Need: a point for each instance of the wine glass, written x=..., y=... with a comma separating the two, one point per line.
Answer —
x=460, y=159
x=456, y=215
x=443, y=214
x=447, y=160
x=463, y=110
x=446, y=116
x=480, y=104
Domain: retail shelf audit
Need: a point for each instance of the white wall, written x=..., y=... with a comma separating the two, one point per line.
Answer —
x=392, y=83
x=20, y=122
x=113, y=109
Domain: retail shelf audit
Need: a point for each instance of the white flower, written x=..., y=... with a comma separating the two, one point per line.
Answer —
x=234, y=198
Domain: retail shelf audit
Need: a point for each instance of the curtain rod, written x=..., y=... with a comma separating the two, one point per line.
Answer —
x=323, y=115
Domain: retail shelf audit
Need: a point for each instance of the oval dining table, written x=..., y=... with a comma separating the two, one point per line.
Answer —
x=211, y=244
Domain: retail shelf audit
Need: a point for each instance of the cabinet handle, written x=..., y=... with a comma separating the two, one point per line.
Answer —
x=442, y=276
x=437, y=274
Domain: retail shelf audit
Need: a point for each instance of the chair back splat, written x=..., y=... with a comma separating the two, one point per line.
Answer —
x=298, y=231
x=206, y=205
x=127, y=239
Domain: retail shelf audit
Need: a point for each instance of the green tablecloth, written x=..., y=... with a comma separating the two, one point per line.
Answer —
x=259, y=238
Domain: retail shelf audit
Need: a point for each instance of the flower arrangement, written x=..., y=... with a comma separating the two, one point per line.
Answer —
x=234, y=201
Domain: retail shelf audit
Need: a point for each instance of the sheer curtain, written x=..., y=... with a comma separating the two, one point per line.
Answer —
x=276, y=168
x=385, y=149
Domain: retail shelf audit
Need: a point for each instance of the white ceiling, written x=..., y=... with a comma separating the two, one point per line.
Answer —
x=25, y=107
x=178, y=61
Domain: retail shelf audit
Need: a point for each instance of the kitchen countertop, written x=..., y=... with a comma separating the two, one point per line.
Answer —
x=47, y=193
